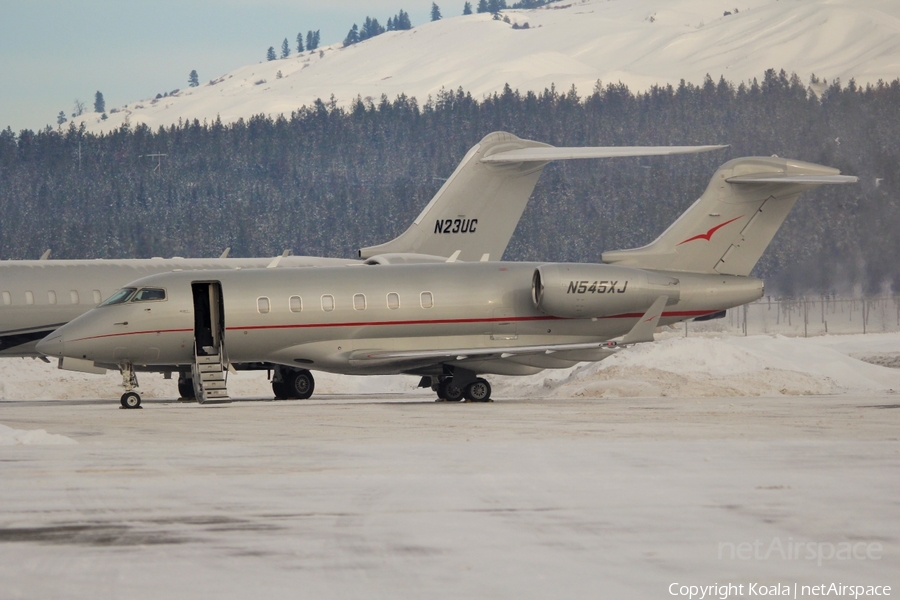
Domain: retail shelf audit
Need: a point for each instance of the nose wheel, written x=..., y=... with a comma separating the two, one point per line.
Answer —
x=131, y=400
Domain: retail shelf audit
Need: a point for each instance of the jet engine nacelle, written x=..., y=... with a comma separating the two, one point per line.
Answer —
x=586, y=290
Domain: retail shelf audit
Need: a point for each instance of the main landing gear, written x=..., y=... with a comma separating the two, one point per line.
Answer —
x=186, y=391
x=293, y=384
x=475, y=391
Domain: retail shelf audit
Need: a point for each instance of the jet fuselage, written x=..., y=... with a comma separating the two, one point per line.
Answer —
x=334, y=318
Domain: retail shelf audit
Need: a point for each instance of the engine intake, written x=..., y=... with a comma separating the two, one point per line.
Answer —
x=598, y=290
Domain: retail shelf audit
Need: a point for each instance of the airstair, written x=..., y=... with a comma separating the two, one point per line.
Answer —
x=210, y=373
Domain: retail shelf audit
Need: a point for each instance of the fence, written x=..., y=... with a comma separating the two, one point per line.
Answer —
x=808, y=317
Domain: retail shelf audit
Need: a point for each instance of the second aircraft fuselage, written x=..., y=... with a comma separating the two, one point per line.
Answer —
x=321, y=318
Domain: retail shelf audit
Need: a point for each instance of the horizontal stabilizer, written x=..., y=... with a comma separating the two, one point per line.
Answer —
x=784, y=178
x=550, y=153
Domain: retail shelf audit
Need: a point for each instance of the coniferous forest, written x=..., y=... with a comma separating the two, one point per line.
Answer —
x=327, y=180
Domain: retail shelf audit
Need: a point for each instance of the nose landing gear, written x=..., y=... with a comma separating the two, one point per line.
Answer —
x=130, y=399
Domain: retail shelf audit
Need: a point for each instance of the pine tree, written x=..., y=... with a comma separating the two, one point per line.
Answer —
x=61, y=117
x=300, y=42
x=193, y=79
x=352, y=36
x=370, y=29
x=270, y=55
x=310, y=40
x=78, y=108
x=482, y=6
x=401, y=21
x=435, y=12
x=467, y=8
x=285, y=49
x=99, y=103
x=496, y=6
x=390, y=24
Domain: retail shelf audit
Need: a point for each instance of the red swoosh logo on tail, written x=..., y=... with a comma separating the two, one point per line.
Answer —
x=708, y=235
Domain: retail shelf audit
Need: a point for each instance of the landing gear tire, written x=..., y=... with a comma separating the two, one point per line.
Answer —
x=478, y=391
x=131, y=400
x=449, y=392
x=300, y=384
x=186, y=388
x=280, y=390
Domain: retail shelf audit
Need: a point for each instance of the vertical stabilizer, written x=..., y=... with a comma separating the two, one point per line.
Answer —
x=729, y=227
x=476, y=210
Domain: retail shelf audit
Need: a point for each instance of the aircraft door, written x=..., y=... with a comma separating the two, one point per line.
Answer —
x=209, y=317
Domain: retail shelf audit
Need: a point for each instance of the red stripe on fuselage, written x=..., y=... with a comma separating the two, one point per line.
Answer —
x=684, y=313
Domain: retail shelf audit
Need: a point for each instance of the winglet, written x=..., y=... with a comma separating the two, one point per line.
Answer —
x=45, y=255
x=225, y=254
x=646, y=325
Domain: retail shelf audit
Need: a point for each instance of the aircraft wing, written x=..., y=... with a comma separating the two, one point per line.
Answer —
x=551, y=153
x=641, y=332
x=361, y=357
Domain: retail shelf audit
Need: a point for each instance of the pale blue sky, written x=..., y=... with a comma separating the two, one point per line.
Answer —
x=54, y=51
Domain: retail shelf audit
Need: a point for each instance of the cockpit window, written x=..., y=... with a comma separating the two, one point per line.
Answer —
x=146, y=294
x=119, y=297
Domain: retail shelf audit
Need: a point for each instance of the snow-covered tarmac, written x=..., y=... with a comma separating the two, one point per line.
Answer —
x=604, y=490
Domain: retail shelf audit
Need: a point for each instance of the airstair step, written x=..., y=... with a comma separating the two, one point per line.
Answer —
x=218, y=400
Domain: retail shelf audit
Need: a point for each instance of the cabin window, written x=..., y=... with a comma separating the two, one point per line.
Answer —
x=119, y=297
x=29, y=297
x=426, y=299
x=51, y=297
x=262, y=305
x=7, y=298
x=328, y=303
x=296, y=304
x=97, y=296
x=393, y=301
x=359, y=302
x=73, y=297
x=148, y=294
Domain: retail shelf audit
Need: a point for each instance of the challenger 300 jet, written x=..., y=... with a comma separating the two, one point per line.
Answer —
x=447, y=322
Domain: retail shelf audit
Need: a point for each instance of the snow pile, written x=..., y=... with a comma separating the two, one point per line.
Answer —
x=721, y=366
x=34, y=437
x=577, y=42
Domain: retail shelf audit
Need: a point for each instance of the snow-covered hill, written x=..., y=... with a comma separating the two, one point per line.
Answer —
x=569, y=42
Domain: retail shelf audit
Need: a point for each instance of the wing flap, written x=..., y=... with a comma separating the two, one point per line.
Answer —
x=785, y=178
